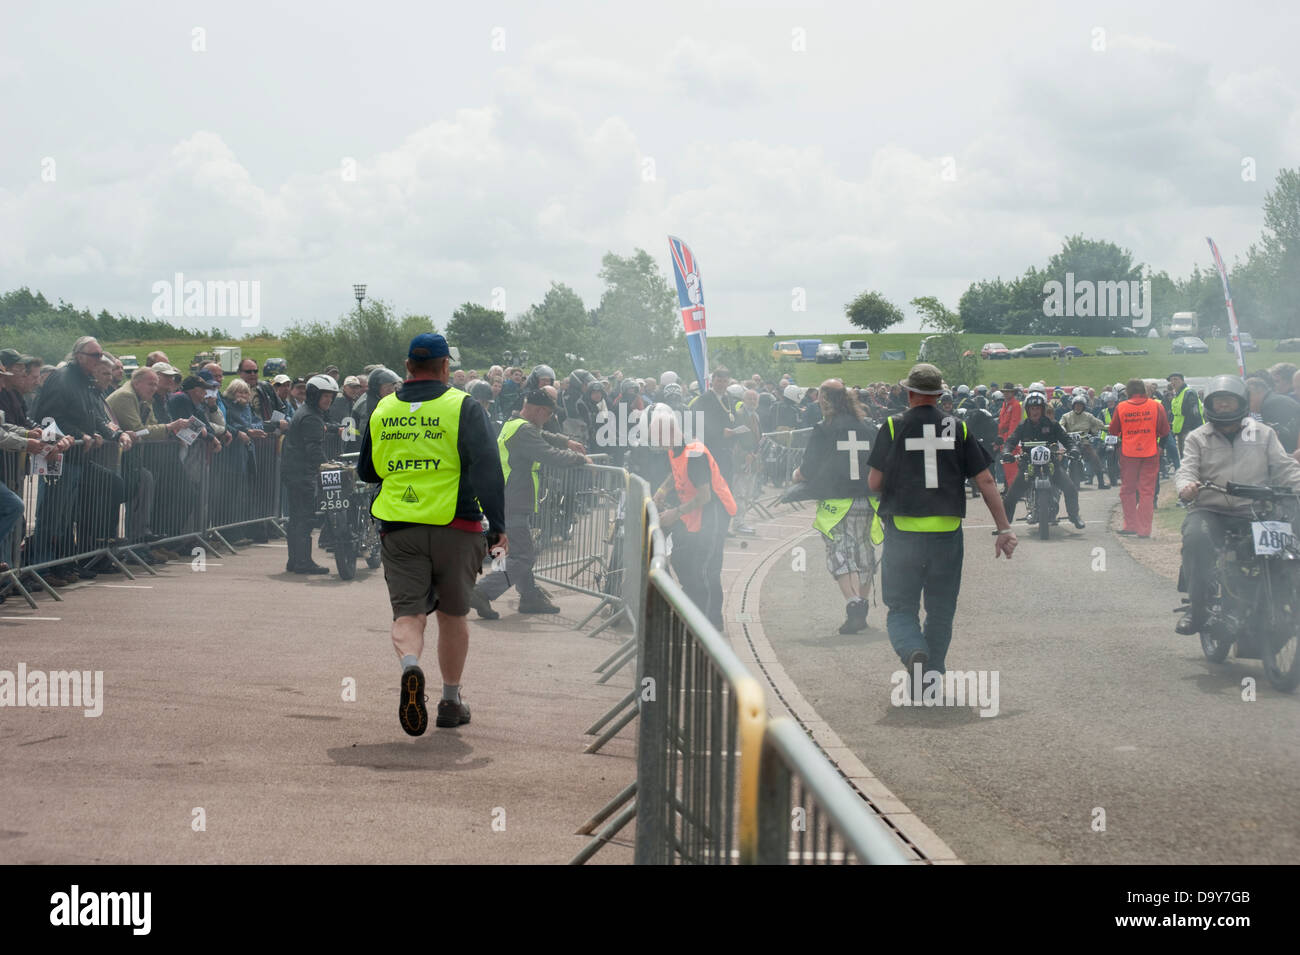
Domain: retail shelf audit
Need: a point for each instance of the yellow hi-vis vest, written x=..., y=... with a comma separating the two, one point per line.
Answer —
x=1177, y=425
x=413, y=448
x=507, y=432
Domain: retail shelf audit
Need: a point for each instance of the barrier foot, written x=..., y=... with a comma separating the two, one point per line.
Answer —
x=604, y=602
x=612, y=712
x=627, y=658
x=130, y=552
x=217, y=534
x=588, y=827
x=596, y=744
x=18, y=585
x=613, y=619
x=605, y=835
x=120, y=566
x=618, y=652
x=46, y=587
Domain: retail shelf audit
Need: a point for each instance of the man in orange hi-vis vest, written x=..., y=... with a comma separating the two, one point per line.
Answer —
x=699, y=520
x=1142, y=424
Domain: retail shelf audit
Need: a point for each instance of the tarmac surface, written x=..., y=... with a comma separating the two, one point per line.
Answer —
x=1102, y=707
x=224, y=691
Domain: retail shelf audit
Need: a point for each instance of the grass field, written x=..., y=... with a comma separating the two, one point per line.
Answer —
x=1091, y=370
x=182, y=350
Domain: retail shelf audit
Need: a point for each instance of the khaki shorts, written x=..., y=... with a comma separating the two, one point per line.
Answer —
x=429, y=567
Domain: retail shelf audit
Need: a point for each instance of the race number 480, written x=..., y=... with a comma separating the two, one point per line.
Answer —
x=1272, y=537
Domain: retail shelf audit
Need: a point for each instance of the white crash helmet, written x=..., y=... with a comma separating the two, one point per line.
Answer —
x=668, y=378
x=793, y=393
x=997, y=396
x=1039, y=386
x=736, y=390
x=963, y=389
x=323, y=383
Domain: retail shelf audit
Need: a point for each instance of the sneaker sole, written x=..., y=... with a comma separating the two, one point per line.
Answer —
x=411, y=711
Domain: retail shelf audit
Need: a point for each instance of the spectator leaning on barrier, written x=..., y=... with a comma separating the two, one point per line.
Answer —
x=920, y=464
x=524, y=447
x=132, y=404
x=16, y=380
x=835, y=471
x=19, y=438
x=71, y=399
x=698, y=521
x=1141, y=424
x=169, y=382
x=432, y=449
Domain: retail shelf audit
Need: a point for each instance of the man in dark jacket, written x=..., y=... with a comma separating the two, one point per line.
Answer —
x=835, y=470
x=304, y=453
x=71, y=399
x=524, y=448
x=1038, y=427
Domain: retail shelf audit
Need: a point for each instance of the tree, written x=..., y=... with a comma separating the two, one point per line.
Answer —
x=368, y=334
x=556, y=326
x=481, y=334
x=872, y=312
x=637, y=314
x=946, y=350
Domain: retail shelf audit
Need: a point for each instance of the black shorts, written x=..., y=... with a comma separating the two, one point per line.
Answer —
x=431, y=567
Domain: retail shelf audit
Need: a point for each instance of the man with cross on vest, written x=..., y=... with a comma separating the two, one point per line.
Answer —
x=834, y=471
x=919, y=467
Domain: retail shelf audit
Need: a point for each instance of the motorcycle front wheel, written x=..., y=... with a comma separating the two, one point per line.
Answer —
x=345, y=544
x=1043, y=508
x=1280, y=652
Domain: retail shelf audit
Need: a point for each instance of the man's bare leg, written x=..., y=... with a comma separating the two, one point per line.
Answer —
x=408, y=635
x=453, y=646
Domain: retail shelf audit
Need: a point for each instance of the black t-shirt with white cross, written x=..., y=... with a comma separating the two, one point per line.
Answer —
x=926, y=458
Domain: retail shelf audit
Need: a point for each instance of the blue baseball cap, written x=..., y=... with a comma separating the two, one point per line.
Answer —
x=426, y=346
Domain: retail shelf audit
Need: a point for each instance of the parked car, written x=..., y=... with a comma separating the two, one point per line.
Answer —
x=1037, y=350
x=1184, y=325
x=808, y=348
x=1247, y=342
x=829, y=352
x=1190, y=346
x=994, y=350
x=130, y=363
x=1071, y=351
x=856, y=350
x=787, y=350
x=1110, y=351
x=1124, y=332
x=1289, y=344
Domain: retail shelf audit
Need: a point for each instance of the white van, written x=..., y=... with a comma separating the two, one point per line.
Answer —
x=1183, y=324
x=856, y=350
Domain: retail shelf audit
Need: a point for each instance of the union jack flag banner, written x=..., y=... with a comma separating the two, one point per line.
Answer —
x=1232, y=313
x=690, y=299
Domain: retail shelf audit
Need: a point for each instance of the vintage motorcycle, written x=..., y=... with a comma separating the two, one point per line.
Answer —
x=1254, y=599
x=345, y=503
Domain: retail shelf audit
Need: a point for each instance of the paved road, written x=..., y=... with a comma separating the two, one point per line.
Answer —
x=223, y=690
x=1102, y=706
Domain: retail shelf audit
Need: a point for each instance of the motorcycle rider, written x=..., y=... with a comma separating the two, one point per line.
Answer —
x=1228, y=447
x=1038, y=427
x=304, y=453
x=1078, y=419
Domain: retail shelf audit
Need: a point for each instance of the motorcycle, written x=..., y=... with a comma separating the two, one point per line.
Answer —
x=1110, y=458
x=1254, y=597
x=1076, y=464
x=345, y=503
x=1038, y=462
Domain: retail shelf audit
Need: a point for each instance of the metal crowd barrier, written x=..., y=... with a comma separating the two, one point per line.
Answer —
x=103, y=509
x=577, y=529
x=780, y=454
x=716, y=781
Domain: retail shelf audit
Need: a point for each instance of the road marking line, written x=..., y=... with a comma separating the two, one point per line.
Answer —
x=10, y=616
x=128, y=586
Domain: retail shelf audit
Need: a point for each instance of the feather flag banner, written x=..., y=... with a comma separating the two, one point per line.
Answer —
x=690, y=299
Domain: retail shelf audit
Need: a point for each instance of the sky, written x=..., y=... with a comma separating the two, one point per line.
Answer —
x=443, y=153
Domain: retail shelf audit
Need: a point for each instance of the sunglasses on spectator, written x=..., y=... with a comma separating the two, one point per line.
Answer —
x=93, y=354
